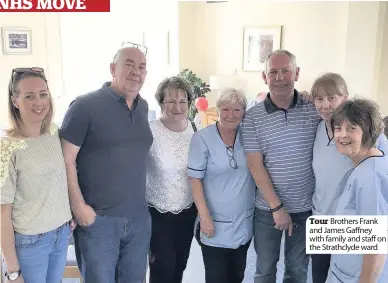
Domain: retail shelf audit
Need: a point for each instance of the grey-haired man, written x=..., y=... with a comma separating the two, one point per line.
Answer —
x=278, y=136
x=106, y=139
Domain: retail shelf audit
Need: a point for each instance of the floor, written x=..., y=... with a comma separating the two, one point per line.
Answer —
x=195, y=271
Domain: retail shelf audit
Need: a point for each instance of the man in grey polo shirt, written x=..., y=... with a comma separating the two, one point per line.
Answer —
x=278, y=136
x=106, y=139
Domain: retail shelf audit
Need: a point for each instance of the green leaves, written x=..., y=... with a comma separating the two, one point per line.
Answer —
x=199, y=87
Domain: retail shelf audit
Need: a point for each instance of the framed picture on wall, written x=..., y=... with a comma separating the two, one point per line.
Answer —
x=258, y=43
x=16, y=40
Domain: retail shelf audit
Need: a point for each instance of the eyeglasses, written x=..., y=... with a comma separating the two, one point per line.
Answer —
x=141, y=47
x=126, y=44
x=232, y=160
x=171, y=103
x=19, y=71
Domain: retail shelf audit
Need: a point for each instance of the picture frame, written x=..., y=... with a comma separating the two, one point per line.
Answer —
x=258, y=43
x=16, y=40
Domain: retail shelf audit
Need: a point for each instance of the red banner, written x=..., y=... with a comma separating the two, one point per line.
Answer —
x=54, y=6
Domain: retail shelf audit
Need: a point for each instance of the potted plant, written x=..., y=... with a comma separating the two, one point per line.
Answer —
x=199, y=87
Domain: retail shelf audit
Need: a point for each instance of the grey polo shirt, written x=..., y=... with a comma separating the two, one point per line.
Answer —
x=114, y=142
x=286, y=138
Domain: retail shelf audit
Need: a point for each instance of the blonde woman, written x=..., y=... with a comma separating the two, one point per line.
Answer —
x=35, y=210
x=223, y=191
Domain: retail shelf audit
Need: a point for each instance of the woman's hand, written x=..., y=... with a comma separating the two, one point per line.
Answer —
x=206, y=225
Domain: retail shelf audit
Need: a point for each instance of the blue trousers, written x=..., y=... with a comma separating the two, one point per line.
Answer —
x=113, y=249
x=267, y=241
x=42, y=257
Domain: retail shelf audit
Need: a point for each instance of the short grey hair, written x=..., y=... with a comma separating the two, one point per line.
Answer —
x=279, y=52
x=120, y=51
x=117, y=55
x=230, y=95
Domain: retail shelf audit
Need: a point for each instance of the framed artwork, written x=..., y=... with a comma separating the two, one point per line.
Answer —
x=259, y=42
x=16, y=40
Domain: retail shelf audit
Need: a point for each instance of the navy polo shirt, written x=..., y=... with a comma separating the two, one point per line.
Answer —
x=114, y=142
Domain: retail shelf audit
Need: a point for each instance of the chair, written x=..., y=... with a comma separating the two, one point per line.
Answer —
x=71, y=269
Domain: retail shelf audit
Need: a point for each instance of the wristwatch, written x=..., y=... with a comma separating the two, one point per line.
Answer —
x=12, y=275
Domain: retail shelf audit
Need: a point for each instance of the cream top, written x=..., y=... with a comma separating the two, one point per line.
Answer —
x=168, y=189
x=33, y=180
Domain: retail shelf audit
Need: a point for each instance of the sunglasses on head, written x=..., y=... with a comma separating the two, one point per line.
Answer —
x=126, y=44
x=142, y=48
x=20, y=71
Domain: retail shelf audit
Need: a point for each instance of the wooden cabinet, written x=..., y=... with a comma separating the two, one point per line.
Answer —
x=209, y=116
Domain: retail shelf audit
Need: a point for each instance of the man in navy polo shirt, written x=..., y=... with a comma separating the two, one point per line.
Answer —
x=106, y=139
x=278, y=136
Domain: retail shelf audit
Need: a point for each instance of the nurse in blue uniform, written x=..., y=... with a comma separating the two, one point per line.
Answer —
x=223, y=191
x=329, y=165
x=356, y=125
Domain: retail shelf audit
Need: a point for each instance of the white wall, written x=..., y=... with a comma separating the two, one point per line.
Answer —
x=90, y=41
x=317, y=43
x=344, y=37
x=45, y=53
x=382, y=86
x=197, y=40
x=363, y=47
x=76, y=49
